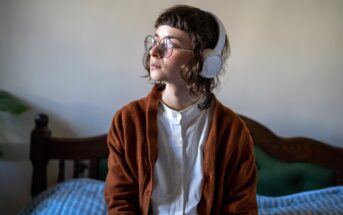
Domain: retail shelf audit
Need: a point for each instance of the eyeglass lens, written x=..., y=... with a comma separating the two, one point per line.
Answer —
x=165, y=47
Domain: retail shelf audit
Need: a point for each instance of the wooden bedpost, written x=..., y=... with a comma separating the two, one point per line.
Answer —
x=38, y=153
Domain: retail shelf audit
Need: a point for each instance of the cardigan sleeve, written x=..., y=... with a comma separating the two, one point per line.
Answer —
x=240, y=197
x=121, y=188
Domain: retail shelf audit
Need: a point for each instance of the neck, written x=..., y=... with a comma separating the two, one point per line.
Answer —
x=177, y=98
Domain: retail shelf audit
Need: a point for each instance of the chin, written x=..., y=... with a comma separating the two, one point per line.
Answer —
x=156, y=76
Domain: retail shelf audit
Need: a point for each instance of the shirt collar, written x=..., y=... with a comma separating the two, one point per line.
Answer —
x=180, y=117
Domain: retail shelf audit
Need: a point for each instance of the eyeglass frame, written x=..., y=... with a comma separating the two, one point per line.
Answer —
x=158, y=44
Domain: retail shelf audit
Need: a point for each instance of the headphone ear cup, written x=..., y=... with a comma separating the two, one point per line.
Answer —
x=212, y=65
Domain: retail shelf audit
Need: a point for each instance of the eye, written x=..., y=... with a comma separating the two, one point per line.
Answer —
x=167, y=44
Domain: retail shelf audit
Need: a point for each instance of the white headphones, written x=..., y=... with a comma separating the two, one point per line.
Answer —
x=213, y=61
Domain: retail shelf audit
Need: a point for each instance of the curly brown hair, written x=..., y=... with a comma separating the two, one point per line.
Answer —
x=203, y=30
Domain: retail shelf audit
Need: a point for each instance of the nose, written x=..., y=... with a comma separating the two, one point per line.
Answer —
x=155, y=52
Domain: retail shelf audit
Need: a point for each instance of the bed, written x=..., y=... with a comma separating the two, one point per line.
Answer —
x=296, y=175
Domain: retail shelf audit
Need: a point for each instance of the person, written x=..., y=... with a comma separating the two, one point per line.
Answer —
x=179, y=150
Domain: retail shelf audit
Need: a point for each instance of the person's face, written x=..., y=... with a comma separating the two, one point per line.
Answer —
x=168, y=69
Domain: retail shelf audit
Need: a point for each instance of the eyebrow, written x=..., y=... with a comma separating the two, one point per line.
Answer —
x=169, y=37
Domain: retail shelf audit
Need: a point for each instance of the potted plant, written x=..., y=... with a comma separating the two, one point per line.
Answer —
x=10, y=104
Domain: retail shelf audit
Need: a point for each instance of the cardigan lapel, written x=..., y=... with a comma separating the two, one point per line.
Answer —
x=152, y=102
x=151, y=107
x=209, y=167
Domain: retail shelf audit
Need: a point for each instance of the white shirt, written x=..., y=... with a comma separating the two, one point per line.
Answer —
x=178, y=171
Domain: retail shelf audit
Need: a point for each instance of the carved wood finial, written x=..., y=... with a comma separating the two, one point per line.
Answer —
x=41, y=120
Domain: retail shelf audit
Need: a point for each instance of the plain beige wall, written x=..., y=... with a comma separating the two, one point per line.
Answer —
x=79, y=61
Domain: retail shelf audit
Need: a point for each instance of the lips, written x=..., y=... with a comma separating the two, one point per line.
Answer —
x=155, y=66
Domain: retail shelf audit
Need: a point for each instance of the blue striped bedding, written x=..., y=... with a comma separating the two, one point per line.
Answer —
x=74, y=197
x=85, y=196
x=323, y=201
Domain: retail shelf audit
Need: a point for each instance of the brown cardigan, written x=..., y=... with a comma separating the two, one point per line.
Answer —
x=229, y=184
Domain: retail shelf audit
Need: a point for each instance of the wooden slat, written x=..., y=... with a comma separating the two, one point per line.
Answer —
x=61, y=171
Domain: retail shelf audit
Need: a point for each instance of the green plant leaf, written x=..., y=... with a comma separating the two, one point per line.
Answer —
x=9, y=103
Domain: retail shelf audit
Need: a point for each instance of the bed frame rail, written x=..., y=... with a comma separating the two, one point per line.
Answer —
x=44, y=147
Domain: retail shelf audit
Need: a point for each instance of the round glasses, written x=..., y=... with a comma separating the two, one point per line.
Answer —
x=164, y=47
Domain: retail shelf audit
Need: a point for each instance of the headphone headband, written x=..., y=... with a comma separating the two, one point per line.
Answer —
x=212, y=58
x=221, y=37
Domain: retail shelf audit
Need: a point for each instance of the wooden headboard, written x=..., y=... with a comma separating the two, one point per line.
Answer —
x=297, y=149
x=44, y=147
